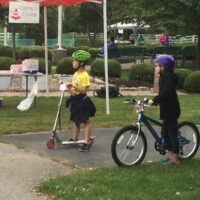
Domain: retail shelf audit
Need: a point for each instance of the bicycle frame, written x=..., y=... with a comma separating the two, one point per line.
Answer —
x=146, y=120
x=129, y=146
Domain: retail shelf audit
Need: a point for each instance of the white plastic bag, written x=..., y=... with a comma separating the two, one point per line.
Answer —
x=26, y=103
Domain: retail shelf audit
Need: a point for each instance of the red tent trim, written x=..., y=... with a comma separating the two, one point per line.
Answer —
x=54, y=2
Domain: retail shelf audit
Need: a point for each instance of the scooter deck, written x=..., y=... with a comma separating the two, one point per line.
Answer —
x=76, y=142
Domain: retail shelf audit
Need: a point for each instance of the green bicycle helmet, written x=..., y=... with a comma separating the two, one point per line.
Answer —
x=81, y=55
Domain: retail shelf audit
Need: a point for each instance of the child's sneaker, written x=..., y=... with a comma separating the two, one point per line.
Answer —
x=84, y=147
x=173, y=160
x=164, y=160
x=72, y=140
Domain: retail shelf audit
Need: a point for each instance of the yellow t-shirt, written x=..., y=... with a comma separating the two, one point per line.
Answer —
x=80, y=79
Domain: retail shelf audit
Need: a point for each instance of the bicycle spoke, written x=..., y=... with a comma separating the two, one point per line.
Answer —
x=188, y=139
x=129, y=147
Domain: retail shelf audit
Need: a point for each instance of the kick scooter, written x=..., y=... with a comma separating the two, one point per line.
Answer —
x=54, y=138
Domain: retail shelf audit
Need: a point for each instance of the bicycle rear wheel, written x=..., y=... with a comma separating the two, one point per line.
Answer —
x=128, y=147
x=188, y=140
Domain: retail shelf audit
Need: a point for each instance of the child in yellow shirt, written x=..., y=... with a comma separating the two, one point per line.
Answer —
x=81, y=106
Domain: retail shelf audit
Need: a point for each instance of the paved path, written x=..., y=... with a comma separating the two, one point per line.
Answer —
x=99, y=156
x=22, y=169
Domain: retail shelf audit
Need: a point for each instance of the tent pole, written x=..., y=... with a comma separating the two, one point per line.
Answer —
x=46, y=50
x=60, y=12
x=106, y=55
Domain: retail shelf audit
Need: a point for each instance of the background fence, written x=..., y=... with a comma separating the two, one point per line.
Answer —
x=155, y=39
x=6, y=39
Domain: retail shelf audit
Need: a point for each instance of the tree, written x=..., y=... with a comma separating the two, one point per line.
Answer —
x=11, y=27
x=177, y=17
x=91, y=20
x=36, y=31
x=71, y=19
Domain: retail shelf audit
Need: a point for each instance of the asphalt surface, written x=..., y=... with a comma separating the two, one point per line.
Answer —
x=22, y=169
x=99, y=156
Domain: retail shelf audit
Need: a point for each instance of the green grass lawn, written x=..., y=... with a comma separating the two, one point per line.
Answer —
x=149, y=181
x=143, y=182
x=41, y=118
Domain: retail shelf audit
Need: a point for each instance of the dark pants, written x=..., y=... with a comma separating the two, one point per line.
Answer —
x=169, y=132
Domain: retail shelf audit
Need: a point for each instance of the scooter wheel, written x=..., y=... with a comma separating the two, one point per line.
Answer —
x=51, y=144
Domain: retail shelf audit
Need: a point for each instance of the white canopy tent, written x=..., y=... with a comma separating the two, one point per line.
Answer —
x=129, y=26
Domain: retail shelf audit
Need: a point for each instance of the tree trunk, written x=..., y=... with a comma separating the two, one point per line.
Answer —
x=89, y=36
x=93, y=39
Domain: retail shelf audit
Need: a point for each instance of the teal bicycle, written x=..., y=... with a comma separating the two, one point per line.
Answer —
x=129, y=145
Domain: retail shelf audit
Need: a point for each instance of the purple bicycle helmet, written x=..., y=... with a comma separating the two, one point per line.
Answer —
x=166, y=60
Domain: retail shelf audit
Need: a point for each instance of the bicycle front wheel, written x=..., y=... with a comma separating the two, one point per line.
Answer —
x=128, y=146
x=188, y=140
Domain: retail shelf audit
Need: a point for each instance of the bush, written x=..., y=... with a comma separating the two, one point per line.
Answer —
x=182, y=74
x=39, y=52
x=6, y=62
x=83, y=48
x=114, y=68
x=81, y=41
x=5, y=51
x=93, y=52
x=64, y=66
x=23, y=53
x=70, y=50
x=142, y=72
x=42, y=66
x=192, y=82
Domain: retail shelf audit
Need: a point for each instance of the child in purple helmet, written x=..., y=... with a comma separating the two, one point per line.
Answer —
x=169, y=105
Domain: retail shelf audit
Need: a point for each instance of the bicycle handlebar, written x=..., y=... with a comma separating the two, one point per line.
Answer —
x=139, y=105
x=133, y=101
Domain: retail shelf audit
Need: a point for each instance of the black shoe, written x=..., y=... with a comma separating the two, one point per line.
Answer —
x=84, y=147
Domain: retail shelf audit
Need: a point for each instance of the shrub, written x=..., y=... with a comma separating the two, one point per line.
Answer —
x=39, y=52
x=70, y=50
x=6, y=62
x=64, y=66
x=23, y=53
x=5, y=51
x=182, y=74
x=114, y=68
x=42, y=66
x=93, y=52
x=142, y=72
x=81, y=41
x=192, y=82
x=83, y=48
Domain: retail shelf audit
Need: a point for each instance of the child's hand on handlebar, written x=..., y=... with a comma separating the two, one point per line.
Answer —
x=150, y=102
x=61, y=82
x=69, y=84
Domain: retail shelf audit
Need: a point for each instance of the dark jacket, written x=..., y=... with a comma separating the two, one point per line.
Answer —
x=81, y=108
x=167, y=97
